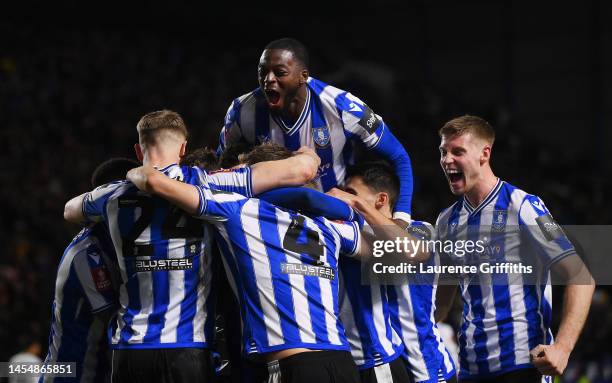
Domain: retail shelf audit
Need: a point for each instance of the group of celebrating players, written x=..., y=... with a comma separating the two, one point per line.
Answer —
x=287, y=223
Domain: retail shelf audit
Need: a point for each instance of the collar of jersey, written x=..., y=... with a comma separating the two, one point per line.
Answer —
x=303, y=115
x=167, y=167
x=490, y=197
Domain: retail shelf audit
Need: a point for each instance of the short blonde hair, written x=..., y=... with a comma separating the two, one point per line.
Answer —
x=153, y=124
x=468, y=124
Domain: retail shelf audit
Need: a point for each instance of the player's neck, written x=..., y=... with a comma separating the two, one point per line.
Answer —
x=295, y=107
x=159, y=159
x=481, y=189
x=386, y=211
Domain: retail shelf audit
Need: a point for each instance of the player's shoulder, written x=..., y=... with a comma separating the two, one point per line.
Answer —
x=90, y=251
x=111, y=191
x=323, y=89
x=337, y=97
x=184, y=173
x=111, y=187
x=84, y=240
x=340, y=227
x=83, y=235
x=247, y=99
x=520, y=198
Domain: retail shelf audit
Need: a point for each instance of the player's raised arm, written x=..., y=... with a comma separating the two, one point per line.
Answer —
x=393, y=150
x=369, y=128
x=151, y=180
x=293, y=171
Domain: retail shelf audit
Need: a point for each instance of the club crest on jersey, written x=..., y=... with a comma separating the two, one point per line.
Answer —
x=321, y=136
x=499, y=220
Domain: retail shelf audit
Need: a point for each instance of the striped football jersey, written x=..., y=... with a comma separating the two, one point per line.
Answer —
x=166, y=295
x=505, y=315
x=334, y=123
x=366, y=316
x=83, y=288
x=283, y=268
x=412, y=306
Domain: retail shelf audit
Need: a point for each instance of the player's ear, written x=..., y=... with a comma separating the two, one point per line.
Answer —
x=183, y=149
x=138, y=150
x=486, y=154
x=304, y=74
x=382, y=199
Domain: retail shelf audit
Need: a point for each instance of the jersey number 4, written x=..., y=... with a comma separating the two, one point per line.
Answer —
x=312, y=247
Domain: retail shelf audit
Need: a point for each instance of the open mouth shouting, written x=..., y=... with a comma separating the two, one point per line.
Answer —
x=273, y=97
x=455, y=178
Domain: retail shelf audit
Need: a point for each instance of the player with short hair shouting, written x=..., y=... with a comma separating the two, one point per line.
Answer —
x=505, y=334
x=293, y=109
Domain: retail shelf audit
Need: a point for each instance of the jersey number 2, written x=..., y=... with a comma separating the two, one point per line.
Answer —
x=192, y=228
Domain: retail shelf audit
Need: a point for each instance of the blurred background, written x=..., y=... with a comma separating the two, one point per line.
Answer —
x=74, y=82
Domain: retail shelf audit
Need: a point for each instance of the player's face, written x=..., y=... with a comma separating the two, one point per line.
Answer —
x=279, y=75
x=355, y=185
x=461, y=161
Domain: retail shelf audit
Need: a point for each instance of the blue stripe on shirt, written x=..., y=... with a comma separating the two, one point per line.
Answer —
x=501, y=289
x=328, y=178
x=159, y=280
x=477, y=307
x=281, y=284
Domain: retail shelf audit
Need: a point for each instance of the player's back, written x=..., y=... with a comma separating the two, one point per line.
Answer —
x=165, y=262
x=283, y=267
x=83, y=289
x=412, y=306
x=365, y=313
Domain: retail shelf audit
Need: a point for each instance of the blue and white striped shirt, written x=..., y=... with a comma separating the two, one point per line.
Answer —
x=165, y=261
x=504, y=317
x=333, y=123
x=412, y=307
x=366, y=316
x=83, y=288
x=283, y=267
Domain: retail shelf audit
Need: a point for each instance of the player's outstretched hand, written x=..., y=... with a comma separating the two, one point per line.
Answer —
x=141, y=176
x=549, y=359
